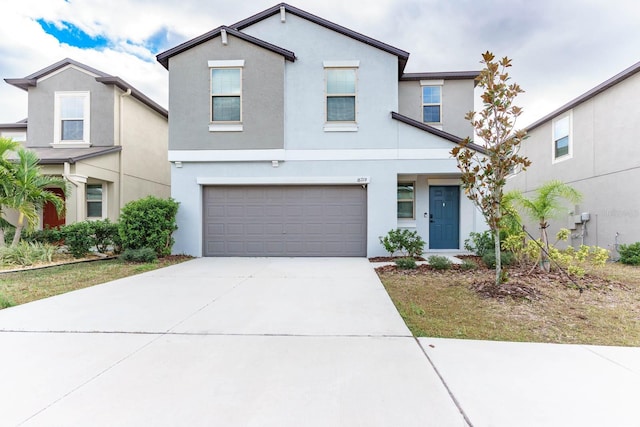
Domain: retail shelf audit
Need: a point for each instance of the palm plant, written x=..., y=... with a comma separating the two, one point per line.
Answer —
x=27, y=192
x=545, y=205
x=6, y=178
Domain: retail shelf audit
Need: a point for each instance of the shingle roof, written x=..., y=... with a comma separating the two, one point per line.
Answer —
x=57, y=156
x=402, y=55
x=102, y=77
x=163, y=58
x=236, y=29
x=635, y=68
x=442, y=134
x=445, y=75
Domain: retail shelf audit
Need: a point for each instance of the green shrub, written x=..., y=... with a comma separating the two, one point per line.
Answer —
x=489, y=258
x=630, y=254
x=408, y=243
x=105, y=235
x=149, y=222
x=480, y=243
x=78, y=238
x=468, y=265
x=406, y=263
x=439, y=262
x=139, y=255
x=46, y=235
x=27, y=253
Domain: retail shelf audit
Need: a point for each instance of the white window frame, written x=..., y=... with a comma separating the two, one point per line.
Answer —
x=225, y=126
x=554, y=138
x=432, y=83
x=412, y=200
x=341, y=126
x=103, y=201
x=58, y=142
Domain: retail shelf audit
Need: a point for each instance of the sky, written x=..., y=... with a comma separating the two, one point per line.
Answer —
x=559, y=48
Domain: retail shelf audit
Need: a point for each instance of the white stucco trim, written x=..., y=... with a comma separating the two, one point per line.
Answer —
x=341, y=64
x=225, y=127
x=340, y=127
x=229, y=63
x=284, y=180
x=310, y=155
x=431, y=82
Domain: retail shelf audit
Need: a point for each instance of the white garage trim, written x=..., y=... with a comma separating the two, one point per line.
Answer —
x=286, y=180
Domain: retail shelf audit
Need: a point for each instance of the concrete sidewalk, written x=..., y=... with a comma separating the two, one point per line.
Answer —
x=285, y=342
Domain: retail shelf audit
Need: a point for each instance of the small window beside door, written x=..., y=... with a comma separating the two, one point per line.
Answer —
x=406, y=200
x=94, y=200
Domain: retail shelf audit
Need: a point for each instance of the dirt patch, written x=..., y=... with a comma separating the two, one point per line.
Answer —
x=392, y=258
x=512, y=289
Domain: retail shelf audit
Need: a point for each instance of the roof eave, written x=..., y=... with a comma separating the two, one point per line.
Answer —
x=625, y=74
x=122, y=85
x=23, y=84
x=430, y=129
x=163, y=58
x=402, y=55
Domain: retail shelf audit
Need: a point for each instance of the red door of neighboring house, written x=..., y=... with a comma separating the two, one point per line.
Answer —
x=49, y=215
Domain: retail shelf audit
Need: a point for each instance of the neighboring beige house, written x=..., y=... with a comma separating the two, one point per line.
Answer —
x=103, y=136
x=591, y=143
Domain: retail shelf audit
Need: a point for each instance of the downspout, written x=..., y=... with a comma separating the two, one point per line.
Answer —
x=120, y=137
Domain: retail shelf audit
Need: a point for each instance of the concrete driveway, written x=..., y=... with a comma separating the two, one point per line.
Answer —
x=284, y=342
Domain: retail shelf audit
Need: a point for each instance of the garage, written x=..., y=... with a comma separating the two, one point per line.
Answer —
x=285, y=220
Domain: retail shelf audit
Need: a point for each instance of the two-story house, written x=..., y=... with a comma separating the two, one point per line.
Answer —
x=589, y=143
x=103, y=136
x=290, y=135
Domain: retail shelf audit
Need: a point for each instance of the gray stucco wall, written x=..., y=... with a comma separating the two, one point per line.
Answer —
x=41, y=107
x=457, y=101
x=604, y=167
x=262, y=98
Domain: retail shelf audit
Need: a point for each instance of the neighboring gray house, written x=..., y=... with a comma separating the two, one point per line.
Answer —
x=107, y=139
x=290, y=135
x=591, y=144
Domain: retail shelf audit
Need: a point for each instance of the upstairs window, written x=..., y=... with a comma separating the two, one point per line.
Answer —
x=226, y=95
x=406, y=199
x=562, y=138
x=341, y=94
x=71, y=125
x=431, y=103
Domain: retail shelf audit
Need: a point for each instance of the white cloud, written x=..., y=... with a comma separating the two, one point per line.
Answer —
x=559, y=49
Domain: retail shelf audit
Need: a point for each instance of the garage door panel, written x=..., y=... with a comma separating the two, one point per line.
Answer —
x=284, y=221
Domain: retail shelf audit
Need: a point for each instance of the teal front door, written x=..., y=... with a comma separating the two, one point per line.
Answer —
x=444, y=217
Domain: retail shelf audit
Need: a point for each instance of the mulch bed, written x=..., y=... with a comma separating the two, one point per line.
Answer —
x=522, y=283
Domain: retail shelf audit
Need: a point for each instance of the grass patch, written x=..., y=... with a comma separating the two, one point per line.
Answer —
x=26, y=286
x=443, y=304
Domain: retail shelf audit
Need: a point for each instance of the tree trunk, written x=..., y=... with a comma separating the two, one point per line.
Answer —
x=18, y=233
x=2, y=244
x=545, y=263
x=496, y=239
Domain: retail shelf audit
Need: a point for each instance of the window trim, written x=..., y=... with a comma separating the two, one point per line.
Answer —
x=431, y=83
x=341, y=125
x=219, y=125
x=569, y=155
x=58, y=142
x=102, y=201
x=412, y=200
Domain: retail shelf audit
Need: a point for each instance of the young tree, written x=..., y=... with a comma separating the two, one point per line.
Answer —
x=27, y=192
x=6, y=179
x=546, y=204
x=484, y=173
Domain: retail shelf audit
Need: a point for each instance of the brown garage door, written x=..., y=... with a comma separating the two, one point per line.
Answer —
x=285, y=221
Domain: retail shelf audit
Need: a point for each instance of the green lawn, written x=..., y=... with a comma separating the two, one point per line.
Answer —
x=25, y=286
x=439, y=304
